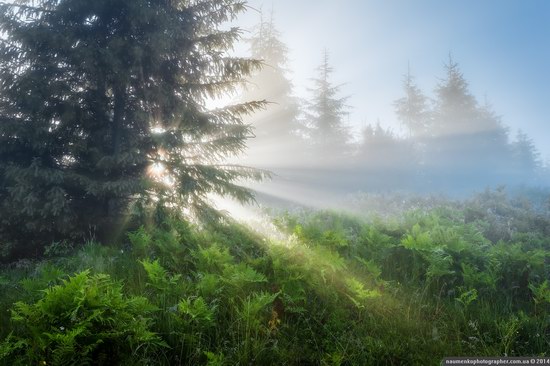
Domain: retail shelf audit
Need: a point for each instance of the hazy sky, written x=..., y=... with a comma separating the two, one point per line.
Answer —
x=502, y=47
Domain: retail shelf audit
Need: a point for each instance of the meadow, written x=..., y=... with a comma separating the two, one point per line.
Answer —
x=429, y=278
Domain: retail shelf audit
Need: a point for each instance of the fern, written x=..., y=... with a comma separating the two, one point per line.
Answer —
x=159, y=278
x=358, y=293
x=242, y=276
x=83, y=319
x=252, y=306
x=196, y=311
x=141, y=241
x=212, y=259
x=417, y=239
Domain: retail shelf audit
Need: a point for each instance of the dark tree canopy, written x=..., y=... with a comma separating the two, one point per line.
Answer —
x=102, y=110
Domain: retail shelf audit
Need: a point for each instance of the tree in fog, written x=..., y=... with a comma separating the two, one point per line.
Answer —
x=385, y=160
x=455, y=107
x=327, y=113
x=526, y=162
x=277, y=127
x=493, y=148
x=413, y=110
x=414, y=113
x=102, y=109
x=468, y=143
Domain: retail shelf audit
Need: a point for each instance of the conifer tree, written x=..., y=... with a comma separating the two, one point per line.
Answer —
x=468, y=144
x=327, y=111
x=526, y=162
x=493, y=151
x=102, y=108
x=412, y=109
x=277, y=127
x=455, y=107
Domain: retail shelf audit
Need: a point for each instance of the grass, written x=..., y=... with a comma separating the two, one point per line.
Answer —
x=451, y=279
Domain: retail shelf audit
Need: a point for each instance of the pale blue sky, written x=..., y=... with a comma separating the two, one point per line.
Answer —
x=502, y=47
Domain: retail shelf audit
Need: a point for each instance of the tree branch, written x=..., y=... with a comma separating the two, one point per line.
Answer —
x=26, y=7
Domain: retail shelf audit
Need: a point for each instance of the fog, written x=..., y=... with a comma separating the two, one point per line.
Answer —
x=431, y=135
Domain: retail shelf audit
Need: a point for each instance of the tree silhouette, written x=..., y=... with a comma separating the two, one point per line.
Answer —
x=326, y=116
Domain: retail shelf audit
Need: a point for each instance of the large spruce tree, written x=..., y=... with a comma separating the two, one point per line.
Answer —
x=102, y=108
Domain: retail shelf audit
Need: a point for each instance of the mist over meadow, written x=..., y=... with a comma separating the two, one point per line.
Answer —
x=447, y=141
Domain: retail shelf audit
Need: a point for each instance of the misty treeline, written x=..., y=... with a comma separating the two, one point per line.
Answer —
x=452, y=142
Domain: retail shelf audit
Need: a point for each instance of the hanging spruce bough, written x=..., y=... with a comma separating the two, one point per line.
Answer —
x=103, y=107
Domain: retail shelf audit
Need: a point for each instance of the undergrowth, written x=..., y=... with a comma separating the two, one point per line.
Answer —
x=454, y=279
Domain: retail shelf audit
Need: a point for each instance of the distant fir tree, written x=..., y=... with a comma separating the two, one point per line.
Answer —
x=526, y=162
x=277, y=127
x=102, y=109
x=413, y=110
x=494, y=150
x=326, y=116
x=414, y=113
x=455, y=107
x=468, y=143
x=266, y=44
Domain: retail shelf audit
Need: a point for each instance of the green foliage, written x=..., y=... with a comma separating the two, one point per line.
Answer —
x=541, y=293
x=242, y=277
x=404, y=290
x=214, y=359
x=196, y=311
x=141, y=241
x=85, y=320
x=417, y=239
x=251, y=308
x=467, y=297
x=57, y=249
x=358, y=291
x=159, y=278
x=213, y=258
x=47, y=275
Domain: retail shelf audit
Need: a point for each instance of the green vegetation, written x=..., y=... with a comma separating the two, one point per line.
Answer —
x=455, y=278
x=111, y=251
